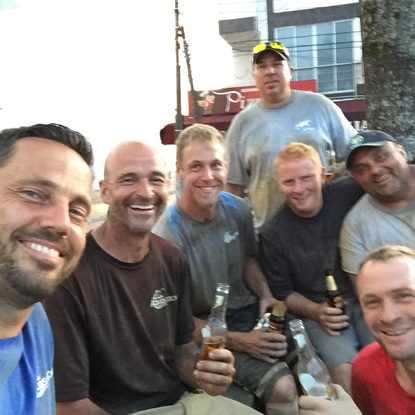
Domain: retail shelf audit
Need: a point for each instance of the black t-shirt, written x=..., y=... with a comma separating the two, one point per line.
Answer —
x=295, y=251
x=116, y=325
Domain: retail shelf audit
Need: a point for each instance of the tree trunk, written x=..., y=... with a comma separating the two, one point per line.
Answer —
x=388, y=34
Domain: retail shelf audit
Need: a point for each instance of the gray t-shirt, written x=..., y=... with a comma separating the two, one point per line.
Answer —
x=216, y=250
x=257, y=135
x=369, y=226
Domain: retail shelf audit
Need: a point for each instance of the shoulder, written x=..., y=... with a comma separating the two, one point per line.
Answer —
x=345, y=186
x=168, y=222
x=371, y=354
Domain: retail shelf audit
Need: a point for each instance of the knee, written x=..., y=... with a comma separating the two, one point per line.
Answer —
x=285, y=390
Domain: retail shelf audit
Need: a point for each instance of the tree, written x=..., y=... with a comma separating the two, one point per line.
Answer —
x=388, y=34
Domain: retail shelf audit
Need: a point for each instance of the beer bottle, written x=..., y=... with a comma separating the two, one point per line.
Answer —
x=277, y=318
x=313, y=374
x=215, y=331
x=334, y=299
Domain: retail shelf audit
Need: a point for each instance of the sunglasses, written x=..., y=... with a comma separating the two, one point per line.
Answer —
x=269, y=45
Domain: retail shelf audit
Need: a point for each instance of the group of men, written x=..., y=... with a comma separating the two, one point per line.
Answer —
x=127, y=319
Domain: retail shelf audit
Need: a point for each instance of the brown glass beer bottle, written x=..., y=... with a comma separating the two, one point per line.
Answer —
x=277, y=318
x=334, y=299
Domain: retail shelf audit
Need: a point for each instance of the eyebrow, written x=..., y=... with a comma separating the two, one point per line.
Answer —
x=86, y=201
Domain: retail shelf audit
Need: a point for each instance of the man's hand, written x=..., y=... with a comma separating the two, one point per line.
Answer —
x=265, y=305
x=332, y=319
x=265, y=346
x=215, y=375
x=344, y=405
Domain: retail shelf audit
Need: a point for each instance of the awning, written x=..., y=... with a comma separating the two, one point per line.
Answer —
x=220, y=122
x=354, y=110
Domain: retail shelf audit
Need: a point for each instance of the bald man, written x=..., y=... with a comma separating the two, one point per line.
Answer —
x=123, y=322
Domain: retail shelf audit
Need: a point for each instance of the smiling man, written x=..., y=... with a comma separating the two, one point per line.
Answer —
x=383, y=374
x=300, y=243
x=281, y=116
x=215, y=230
x=122, y=322
x=45, y=187
x=386, y=214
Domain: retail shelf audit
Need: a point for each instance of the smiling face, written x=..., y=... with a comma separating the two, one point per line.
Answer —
x=44, y=204
x=386, y=292
x=272, y=77
x=135, y=187
x=203, y=170
x=301, y=182
x=383, y=172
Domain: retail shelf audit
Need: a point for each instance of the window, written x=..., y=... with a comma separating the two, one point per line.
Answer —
x=324, y=52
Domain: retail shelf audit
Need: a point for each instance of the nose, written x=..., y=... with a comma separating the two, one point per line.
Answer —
x=207, y=173
x=56, y=216
x=389, y=312
x=298, y=186
x=143, y=188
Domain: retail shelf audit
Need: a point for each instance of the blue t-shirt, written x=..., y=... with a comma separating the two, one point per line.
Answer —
x=26, y=369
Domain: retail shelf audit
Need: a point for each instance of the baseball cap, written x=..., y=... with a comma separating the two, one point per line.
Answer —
x=369, y=138
x=276, y=47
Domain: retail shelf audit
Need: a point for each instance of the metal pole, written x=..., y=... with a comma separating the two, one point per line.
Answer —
x=179, y=116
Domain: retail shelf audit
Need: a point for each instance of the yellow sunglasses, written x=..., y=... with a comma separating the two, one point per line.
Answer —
x=269, y=45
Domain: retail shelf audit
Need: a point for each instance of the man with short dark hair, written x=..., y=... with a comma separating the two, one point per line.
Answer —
x=386, y=214
x=45, y=186
x=279, y=117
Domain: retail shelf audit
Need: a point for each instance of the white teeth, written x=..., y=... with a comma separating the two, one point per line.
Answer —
x=43, y=249
x=147, y=207
x=394, y=333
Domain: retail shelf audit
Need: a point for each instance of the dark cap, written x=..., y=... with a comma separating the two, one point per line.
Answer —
x=369, y=138
x=276, y=47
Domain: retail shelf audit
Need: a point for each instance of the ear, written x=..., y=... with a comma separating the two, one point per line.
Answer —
x=402, y=151
x=104, y=191
x=179, y=171
x=323, y=174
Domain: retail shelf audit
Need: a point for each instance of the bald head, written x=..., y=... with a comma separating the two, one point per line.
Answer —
x=125, y=153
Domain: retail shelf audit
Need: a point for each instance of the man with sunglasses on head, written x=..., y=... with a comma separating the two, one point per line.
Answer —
x=279, y=117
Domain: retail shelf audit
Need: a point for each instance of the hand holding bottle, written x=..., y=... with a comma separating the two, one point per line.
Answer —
x=333, y=320
x=343, y=405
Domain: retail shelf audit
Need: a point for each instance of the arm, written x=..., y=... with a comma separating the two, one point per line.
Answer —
x=331, y=319
x=213, y=376
x=344, y=405
x=257, y=283
x=81, y=407
x=236, y=189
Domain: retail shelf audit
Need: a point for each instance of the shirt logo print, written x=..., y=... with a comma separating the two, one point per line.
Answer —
x=159, y=300
x=43, y=383
x=304, y=126
x=229, y=237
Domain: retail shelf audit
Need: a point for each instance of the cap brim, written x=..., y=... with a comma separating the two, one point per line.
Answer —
x=352, y=153
x=280, y=54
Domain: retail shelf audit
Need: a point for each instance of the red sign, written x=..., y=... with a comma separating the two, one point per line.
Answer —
x=234, y=99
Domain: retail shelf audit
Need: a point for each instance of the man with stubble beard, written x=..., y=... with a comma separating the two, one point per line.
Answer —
x=45, y=187
x=122, y=322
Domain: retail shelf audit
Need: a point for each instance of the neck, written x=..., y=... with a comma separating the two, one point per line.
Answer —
x=12, y=320
x=197, y=213
x=405, y=376
x=272, y=101
x=120, y=243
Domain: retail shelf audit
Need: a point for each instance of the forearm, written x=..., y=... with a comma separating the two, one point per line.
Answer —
x=81, y=407
x=185, y=357
x=255, y=279
x=300, y=306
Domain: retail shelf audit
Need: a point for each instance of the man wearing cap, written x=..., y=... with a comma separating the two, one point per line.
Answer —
x=386, y=214
x=279, y=117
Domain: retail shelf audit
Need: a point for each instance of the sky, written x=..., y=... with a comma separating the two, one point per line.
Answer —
x=106, y=68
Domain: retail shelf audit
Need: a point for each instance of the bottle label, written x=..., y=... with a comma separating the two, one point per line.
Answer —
x=300, y=341
x=218, y=301
x=338, y=302
x=317, y=389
